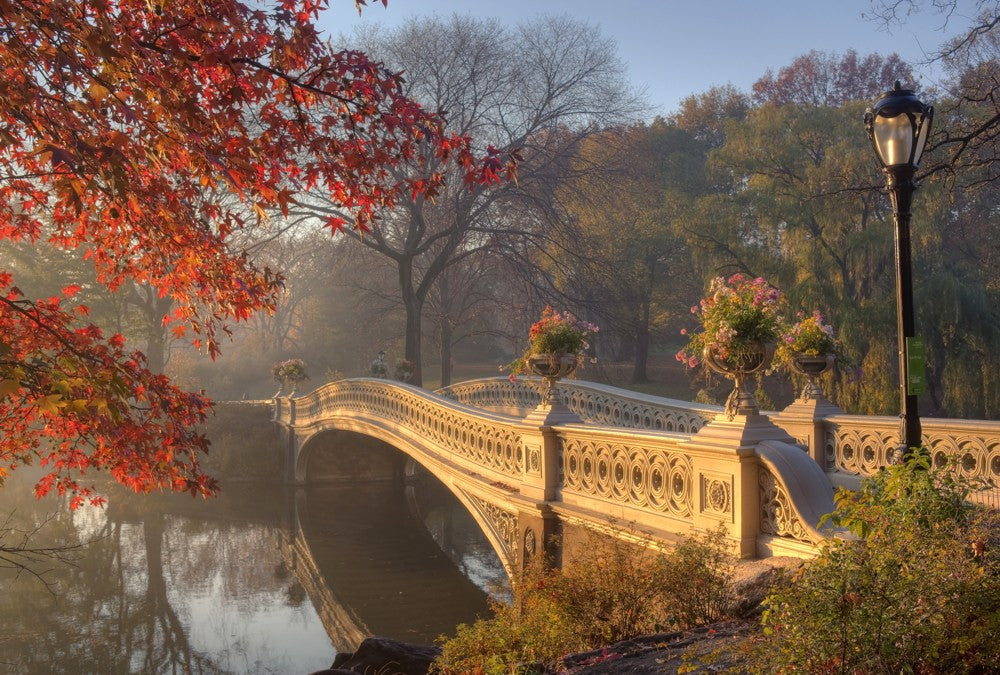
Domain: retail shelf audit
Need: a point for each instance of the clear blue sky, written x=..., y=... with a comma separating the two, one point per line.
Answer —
x=675, y=48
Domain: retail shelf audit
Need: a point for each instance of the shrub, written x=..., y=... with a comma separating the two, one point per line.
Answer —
x=697, y=578
x=528, y=635
x=916, y=590
x=612, y=590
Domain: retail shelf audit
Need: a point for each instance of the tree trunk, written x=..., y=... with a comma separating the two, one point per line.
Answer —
x=641, y=347
x=446, y=333
x=156, y=334
x=155, y=351
x=414, y=305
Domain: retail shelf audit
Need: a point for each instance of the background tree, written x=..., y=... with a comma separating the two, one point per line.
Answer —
x=799, y=200
x=535, y=90
x=625, y=263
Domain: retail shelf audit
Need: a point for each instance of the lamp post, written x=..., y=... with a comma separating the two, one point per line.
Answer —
x=898, y=125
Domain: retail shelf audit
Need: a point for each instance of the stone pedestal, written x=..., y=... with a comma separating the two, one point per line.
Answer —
x=540, y=464
x=803, y=420
x=726, y=479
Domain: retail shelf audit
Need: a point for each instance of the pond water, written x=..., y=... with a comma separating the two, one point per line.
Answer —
x=260, y=580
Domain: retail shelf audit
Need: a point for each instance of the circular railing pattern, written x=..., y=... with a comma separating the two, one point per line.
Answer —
x=864, y=445
x=467, y=433
x=976, y=457
x=637, y=476
x=495, y=393
x=596, y=404
x=866, y=450
x=860, y=451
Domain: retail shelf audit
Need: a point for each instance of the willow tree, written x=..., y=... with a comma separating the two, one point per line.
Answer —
x=619, y=255
x=806, y=208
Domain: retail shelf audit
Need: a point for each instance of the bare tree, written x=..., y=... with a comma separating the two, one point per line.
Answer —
x=536, y=90
x=966, y=141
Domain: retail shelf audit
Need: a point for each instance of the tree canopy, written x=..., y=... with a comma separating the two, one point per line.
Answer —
x=143, y=135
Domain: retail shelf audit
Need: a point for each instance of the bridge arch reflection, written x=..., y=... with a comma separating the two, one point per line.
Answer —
x=428, y=553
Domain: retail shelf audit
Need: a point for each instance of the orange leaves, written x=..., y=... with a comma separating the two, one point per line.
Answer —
x=131, y=119
x=84, y=403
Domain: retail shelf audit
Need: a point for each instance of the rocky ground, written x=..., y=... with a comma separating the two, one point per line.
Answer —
x=717, y=648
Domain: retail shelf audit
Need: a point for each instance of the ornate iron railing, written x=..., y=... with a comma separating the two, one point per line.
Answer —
x=483, y=438
x=593, y=403
x=855, y=445
x=862, y=445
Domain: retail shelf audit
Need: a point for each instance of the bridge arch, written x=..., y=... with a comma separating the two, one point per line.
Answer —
x=500, y=526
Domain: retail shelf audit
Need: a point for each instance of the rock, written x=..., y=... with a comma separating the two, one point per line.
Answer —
x=386, y=657
x=754, y=581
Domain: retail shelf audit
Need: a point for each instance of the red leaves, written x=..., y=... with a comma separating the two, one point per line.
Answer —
x=335, y=224
x=127, y=127
x=77, y=402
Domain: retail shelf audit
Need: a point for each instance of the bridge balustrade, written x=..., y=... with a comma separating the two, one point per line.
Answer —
x=848, y=447
x=669, y=467
x=858, y=446
x=606, y=467
x=483, y=439
x=592, y=402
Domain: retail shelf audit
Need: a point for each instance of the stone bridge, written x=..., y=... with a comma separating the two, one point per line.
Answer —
x=620, y=462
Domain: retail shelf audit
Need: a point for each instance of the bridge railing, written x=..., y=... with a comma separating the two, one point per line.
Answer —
x=481, y=438
x=594, y=403
x=635, y=458
x=849, y=447
x=861, y=445
x=647, y=472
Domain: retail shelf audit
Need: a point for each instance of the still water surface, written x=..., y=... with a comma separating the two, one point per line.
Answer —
x=259, y=580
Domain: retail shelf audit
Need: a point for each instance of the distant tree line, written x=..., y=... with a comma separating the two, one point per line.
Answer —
x=624, y=221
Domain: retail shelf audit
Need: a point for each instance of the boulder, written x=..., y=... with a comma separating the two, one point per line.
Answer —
x=384, y=656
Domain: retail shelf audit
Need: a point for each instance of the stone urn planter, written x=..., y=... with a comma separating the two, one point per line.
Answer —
x=741, y=400
x=812, y=367
x=551, y=367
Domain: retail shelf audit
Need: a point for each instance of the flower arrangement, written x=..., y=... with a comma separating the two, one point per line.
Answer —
x=738, y=315
x=290, y=371
x=808, y=336
x=404, y=370
x=377, y=367
x=555, y=334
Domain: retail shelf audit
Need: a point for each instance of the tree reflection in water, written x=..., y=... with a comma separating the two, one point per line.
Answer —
x=170, y=584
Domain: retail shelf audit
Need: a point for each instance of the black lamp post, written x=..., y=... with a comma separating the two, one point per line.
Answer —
x=898, y=125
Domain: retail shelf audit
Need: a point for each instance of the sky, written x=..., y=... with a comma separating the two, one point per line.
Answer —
x=675, y=48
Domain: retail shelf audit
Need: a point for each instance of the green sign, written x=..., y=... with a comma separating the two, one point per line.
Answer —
x=916, y=369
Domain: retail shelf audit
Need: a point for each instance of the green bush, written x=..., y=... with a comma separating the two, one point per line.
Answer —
x=612, y=590
x=915, y=589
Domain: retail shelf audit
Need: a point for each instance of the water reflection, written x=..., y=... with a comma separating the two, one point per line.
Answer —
x=380, y=533
x=241, y=584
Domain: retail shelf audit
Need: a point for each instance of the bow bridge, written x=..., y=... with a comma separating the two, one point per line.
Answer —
x=528, y=468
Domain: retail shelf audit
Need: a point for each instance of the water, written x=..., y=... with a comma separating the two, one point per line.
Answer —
x=259, y=580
